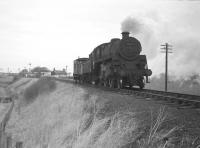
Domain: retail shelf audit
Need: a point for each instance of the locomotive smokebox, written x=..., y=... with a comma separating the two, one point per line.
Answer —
x=125, y=35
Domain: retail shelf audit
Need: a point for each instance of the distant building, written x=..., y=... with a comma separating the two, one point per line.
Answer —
x=23, y=73
x=58, y=73
x=40, y=72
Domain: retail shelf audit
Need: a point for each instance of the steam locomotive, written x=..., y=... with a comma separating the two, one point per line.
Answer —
x=116, y=64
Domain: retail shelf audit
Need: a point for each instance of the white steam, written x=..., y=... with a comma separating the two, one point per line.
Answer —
x=182, y=35
x=143, y=28
x=132, y=25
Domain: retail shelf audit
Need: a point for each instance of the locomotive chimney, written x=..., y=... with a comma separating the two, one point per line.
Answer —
x=125, y=35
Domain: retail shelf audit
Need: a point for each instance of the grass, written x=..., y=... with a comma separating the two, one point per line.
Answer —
x=15, y=78
x=5, y=80
x=157, y=136
x=124, y=130
x=71, y=117
x=43, y=85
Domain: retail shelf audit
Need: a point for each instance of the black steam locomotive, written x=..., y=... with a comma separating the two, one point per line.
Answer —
x=115, y=64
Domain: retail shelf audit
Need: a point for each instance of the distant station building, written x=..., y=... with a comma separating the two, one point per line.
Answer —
x=40, y=72
x=59, y=73
x=23, y=73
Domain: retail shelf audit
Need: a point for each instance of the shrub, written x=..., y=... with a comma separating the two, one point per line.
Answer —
x=43, y=85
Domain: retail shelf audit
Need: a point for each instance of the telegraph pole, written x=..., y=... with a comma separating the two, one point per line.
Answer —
x=166, y=48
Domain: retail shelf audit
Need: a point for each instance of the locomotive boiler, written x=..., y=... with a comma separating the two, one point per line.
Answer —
x=115, y=64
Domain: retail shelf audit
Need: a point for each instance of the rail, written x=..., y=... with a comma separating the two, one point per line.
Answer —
x=181, y=99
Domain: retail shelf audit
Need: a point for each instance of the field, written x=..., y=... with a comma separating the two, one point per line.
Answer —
x=5, y=80
x=64, y=115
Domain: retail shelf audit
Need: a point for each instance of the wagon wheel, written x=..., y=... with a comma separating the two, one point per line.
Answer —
x=119, y=83
x=141, y=84
x=123, y=82
x=101, y=82
x=106, y=83
x=111, y=83
x=116, y=83
x=97, y=82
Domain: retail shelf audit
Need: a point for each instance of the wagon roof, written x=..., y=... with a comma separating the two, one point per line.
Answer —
x=82, y=59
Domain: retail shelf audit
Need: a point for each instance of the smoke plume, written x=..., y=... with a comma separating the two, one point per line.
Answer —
x=140, y=28
x=132, y=25
x=153, y=31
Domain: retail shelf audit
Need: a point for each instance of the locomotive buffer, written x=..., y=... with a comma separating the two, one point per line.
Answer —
x=166, y=48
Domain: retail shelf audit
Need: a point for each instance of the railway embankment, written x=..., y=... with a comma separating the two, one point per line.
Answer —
x=49, y=113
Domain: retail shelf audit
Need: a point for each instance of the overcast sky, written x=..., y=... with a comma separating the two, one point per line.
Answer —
x=53, y=33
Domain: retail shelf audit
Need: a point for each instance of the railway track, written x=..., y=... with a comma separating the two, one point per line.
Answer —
x=182, y=100
x=185, y=100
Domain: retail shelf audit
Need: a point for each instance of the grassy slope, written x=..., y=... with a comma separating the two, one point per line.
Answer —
x=49, y=118
x=144, y=122
x=76, y=117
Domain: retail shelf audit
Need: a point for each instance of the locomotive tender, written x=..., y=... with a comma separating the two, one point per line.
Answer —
x=115, y=64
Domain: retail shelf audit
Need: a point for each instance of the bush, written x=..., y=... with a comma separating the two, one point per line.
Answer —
x=43, y=85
